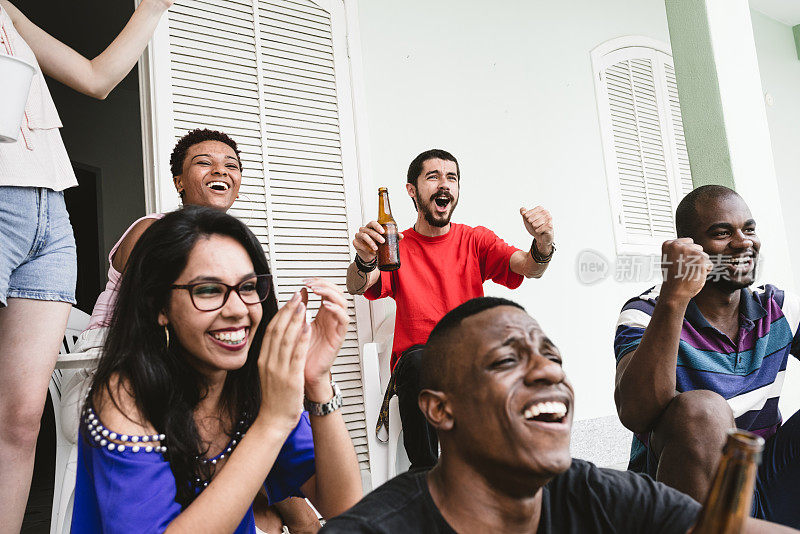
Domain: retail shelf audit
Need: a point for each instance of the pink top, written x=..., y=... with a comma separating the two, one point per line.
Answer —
x=38, y=158
x=104, y=307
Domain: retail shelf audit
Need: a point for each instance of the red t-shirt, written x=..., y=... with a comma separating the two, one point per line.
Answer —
x=437, y=274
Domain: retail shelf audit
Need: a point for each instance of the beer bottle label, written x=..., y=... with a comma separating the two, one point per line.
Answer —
x=392, y=239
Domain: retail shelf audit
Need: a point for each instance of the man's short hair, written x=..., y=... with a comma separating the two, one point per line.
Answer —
x=194, y=137
x=415, y=168
x=686, y=216
x=435, y=368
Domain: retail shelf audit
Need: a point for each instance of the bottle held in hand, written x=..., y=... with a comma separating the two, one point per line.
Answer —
x=728, y=503
x=389, y=250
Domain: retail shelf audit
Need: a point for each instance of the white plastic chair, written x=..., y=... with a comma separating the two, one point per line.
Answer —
x=389, y=456
x=69, y=369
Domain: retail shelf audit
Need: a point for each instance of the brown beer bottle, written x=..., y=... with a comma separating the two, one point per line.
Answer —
x=728, y=503
x=389, y=250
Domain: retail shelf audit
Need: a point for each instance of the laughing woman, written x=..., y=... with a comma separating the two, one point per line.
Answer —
x=197, y=402
x=206, y=169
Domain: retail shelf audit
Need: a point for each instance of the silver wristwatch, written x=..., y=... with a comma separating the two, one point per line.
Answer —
x=325, y=408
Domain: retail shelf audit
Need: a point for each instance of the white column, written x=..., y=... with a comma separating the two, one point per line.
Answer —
x=724, y=116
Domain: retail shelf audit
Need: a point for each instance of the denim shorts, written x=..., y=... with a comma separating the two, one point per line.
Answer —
x=37, y=249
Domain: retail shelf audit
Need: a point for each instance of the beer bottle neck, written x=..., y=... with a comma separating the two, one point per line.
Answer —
x=384, y=210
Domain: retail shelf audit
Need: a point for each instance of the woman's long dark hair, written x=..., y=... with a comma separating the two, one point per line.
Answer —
x=166, y=388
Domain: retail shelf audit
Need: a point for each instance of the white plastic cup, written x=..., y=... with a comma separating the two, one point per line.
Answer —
x=16, y=76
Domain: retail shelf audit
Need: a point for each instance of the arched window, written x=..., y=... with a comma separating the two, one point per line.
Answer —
x=647, y=165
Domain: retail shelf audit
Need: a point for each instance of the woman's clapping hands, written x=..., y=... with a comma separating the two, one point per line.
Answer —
x=327, y=334
x=281, y=363
x=296, y=357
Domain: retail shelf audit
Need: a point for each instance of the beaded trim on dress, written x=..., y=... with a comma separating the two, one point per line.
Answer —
x=104, y=437
x=108, y=439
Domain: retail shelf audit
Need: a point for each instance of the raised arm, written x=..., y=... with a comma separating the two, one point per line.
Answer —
x=539, y=223
x=96, y=77
x=336, y=485
x=645, y=379
x=366, y=244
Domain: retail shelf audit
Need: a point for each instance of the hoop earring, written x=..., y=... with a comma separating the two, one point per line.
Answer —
x=166, y=334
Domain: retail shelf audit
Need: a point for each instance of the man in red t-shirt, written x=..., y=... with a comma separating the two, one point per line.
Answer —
x=443, y=264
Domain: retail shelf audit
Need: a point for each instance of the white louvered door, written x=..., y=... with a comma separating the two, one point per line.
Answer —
x=304, y=157
x=215, y=85
x=274, y=75
x=646, y=159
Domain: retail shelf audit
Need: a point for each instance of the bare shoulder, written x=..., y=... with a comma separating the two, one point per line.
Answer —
x=116, y=408
x=124, y=251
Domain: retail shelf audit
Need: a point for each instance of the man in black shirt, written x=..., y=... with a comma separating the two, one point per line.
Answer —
x=494, y=389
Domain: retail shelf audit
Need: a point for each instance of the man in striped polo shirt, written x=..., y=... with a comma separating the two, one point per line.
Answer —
x=703, y=352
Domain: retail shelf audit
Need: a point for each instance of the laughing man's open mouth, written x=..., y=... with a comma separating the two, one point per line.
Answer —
x=442, y=199
x=546, y=412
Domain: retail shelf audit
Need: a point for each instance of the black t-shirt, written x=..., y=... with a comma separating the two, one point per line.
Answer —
x=583, y=500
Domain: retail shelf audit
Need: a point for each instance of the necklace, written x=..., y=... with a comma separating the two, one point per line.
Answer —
x=236, y=438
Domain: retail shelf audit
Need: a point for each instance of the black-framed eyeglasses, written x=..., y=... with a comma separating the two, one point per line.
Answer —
x=210, y=296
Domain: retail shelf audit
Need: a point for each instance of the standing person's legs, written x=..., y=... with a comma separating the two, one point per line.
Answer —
x=419, y=437
x=31, y=332
x=777, y=494
x=37, y=289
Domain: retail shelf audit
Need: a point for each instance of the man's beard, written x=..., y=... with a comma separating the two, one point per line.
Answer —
x=729, y=285
x=429, y=214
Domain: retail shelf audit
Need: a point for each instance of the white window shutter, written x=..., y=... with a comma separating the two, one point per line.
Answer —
x=270, y=74
x=306, y=171
x=215, y=85
x=647, y=165
x=676, y=123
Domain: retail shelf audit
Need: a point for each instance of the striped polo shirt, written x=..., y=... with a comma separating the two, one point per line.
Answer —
x=748, y=371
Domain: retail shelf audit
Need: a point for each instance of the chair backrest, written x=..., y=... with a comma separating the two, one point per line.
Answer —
x=77, y=323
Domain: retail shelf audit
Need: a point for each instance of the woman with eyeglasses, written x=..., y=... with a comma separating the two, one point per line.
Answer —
x=198, y=400
x=206, y=169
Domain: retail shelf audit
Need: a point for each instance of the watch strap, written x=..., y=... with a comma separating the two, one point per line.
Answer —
x=325, y=408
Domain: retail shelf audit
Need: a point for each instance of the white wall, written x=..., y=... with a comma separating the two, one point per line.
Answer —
x=780, y=77
x=507, y=87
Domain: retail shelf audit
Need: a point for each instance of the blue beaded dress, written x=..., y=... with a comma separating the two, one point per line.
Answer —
x=122, y=491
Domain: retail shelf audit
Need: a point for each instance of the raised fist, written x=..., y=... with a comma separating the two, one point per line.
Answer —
x=539, y=223
x=685, y=268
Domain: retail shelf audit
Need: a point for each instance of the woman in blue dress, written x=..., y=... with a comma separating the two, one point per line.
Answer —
x=198, y=401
